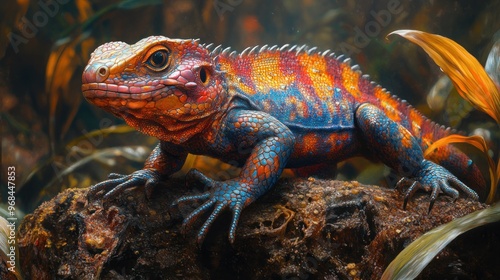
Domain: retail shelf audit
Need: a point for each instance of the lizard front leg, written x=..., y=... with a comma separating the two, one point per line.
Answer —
x=271, y=144
x=395, y=146
x=160, y=163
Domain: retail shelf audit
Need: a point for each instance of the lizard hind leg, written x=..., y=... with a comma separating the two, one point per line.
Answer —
x=396, y=147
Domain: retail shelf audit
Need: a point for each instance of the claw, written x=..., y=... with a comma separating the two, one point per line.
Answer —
x=115, y=176
x=234, y=223
x=410, y=192
x=434, y=195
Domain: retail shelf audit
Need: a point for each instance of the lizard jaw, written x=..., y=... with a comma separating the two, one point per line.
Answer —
x=154, y=104
x=97, y=90
x=111, y=97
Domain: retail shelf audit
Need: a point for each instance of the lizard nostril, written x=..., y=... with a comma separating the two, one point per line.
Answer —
x=95, y=74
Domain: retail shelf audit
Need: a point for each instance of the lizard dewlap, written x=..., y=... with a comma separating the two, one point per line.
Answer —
x=265, y=109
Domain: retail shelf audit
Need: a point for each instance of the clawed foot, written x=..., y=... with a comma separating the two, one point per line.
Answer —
x=435, y=178
x=117, y=183
x=223, y=195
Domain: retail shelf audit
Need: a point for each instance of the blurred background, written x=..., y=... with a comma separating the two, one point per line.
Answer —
x=56, y=140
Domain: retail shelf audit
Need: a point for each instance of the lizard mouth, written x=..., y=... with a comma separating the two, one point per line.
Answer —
x=157, y=97
x=103, y=90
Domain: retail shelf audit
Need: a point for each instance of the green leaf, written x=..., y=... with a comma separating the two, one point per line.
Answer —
x=414, y=258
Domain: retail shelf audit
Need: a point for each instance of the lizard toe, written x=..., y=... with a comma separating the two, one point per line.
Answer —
x=460, y=185
x=191, y=198
x=150, y=185
x=119, y=189
x=434, y=194
x=195, y=177
x=234, y=222
x=194, y=216
x=448, y=190
x=210, y=220
x=410, y=192
x=103, y=186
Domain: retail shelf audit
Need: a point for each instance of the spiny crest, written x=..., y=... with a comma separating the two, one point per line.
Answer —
x=218, y=50
x=215, y=51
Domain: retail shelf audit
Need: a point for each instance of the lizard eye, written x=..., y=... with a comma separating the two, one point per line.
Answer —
x=204, y=75
x=158, y=60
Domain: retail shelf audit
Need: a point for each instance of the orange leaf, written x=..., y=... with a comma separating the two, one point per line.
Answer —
x=467, y=74
x=478, y=142
x=84, y=9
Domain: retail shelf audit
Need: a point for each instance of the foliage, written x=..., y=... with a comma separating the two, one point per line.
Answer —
x=474, y=85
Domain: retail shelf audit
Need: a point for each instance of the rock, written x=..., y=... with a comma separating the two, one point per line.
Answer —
x=323, y=229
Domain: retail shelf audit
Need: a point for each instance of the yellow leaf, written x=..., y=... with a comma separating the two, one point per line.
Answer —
x=467, y=74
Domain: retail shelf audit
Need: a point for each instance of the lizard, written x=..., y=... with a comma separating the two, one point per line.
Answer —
x=263, y=109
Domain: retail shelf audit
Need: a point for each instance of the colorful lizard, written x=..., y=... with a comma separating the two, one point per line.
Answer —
x=263, y=109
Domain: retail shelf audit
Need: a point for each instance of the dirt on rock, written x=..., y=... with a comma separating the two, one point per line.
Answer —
x=302, y=229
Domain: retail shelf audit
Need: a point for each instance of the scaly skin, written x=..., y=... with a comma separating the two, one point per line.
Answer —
x=266, y=109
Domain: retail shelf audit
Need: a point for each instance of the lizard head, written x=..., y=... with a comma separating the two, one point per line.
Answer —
x=167, y=88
